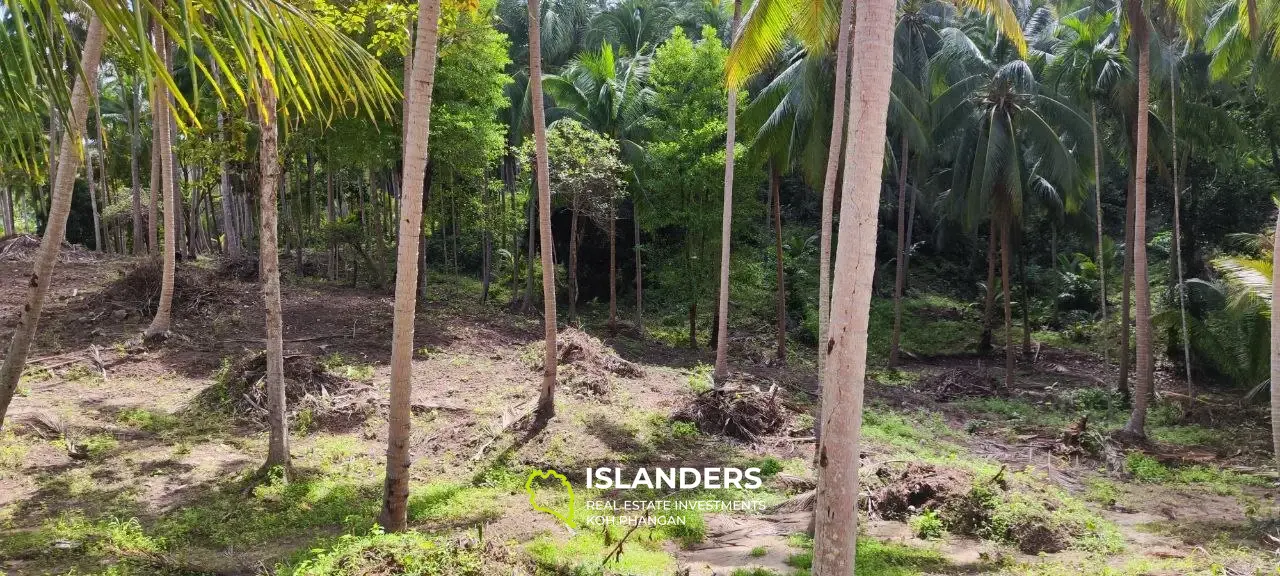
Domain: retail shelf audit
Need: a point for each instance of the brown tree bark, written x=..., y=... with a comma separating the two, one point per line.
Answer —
x=1144, y=364
x=546, y=396
x=1005, y=260
x=780, y=281
x=721, y=370
x=15, y=358
x=988, y=303
x=269, y=268
x=394, y=516
x=836, y=509
x=900, y=272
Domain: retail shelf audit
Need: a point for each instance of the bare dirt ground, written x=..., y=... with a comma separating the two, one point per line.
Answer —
x=106, y=427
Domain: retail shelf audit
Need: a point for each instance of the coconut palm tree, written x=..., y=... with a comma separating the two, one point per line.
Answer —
x=721, y=370
x=418, y=122
x=836, y=509
x=163, y=142
x=1086, y=62
x=546, y=397
x=609, y=95
x=1012, y=135
x=1145, y=365
x=12, y=105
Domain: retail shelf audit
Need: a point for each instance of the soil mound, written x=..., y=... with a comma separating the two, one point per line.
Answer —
x=243, y=268
x=919, y=488
x=745, y=413
x=956, y=383
x=588, y=364
x=139, y=288
x=324, y=398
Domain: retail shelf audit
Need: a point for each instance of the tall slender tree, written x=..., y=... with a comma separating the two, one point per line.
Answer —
x=547, y=394
x=418, y=128
x=836, y=510
x=1144, y=364
x=721, y=370
x=161, y=148
x=269, y=268
x=60, y=206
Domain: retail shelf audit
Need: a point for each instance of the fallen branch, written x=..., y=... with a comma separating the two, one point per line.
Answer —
x=616, y=552
x=510, y=417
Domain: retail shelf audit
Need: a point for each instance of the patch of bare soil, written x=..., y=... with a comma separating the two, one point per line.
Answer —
x=918, y=488
x=731, y=540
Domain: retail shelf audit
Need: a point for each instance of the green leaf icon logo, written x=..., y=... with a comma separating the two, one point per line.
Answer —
x=566, y=517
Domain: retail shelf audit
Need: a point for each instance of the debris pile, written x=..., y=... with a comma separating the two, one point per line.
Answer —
x=919, y=488
x=587, y=364
x=745, y=413
x=24, y=247
x=308, y=388
x=139, y=288
x=960, y=383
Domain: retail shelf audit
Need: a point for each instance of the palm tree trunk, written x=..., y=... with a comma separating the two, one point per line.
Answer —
x=55, y=231
x=780, y=280
x=836, y=525
x=574, y=238
x=160, y=323
x=1097, y=213
x=93, y=202
x=1177, y=228
x=1126, y=308
x=726, y=224
x=1275, y=347
x=9, y=226
x=635, y=223
x=546, y=397
x=835, y=152
x=1005, y=259
x=394, y=515
x=989, y=301
x=269, y=257
x=1144, y=364
x=613, y=268
x=900, y=275
x=4, y=211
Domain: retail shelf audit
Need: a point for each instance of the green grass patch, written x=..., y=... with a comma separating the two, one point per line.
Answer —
x=454, y=503
x=582, y=554
x=407, y=554
x=1146, y=469
x=338, y=365
x=874, y=557
x=932, y=325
